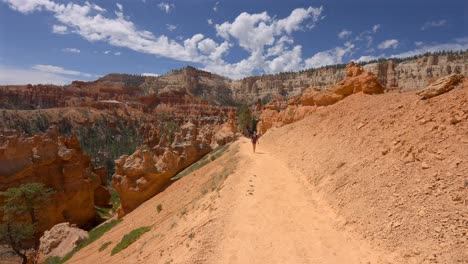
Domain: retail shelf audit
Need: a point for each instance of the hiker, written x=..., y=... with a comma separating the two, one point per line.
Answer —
x=254, y=140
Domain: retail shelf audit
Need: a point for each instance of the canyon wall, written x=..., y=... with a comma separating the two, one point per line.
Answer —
x=183, y=135
x=59, y=163
x=407, y=75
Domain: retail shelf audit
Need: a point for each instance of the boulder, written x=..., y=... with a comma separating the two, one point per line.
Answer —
x=440, y=86
x=357, y=80
x=59, y=241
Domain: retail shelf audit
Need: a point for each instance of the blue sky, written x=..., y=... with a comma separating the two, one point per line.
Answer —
x=57, y=41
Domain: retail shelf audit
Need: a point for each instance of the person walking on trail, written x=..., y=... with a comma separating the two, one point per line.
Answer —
x=254, y=141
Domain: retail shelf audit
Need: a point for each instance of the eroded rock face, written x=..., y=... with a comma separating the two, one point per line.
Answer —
x=357, y=80
x=273, y=118
x=59, y=163
x=441, y=85
x=59, y=241
x=277, y=114
x=191, y=132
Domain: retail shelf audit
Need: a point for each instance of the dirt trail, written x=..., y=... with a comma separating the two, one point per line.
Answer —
x=275, y=219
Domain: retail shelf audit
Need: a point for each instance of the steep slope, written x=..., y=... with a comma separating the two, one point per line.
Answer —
x=253, y=216
x=393, y=166
x=59, y=163
x=370, y=179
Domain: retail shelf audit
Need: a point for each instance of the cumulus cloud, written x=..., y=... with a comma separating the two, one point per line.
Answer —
x=389, y=43
x=267, y=39
x=344, y=34
x=59, y=29
x=433, y=24
x=254, y=31
x=59, y=70
x=166, y=7
x=117, y=53
x=71, y=50
x=106, y=52
x=329, y=57
x=210, y=21
x=171, y=27
x=376, y=28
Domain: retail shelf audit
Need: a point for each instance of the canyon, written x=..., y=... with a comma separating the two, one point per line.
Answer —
x=133, y=134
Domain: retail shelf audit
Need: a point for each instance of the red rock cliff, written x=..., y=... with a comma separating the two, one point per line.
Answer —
x=59, y=163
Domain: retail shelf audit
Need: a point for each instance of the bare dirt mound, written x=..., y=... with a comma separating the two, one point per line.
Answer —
x=392, y=166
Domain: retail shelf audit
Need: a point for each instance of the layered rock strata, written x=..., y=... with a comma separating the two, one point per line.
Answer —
x=59, y=163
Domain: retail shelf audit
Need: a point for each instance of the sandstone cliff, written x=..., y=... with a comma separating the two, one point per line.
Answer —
x=281, y=112
x=183, y=135
x=59, y=163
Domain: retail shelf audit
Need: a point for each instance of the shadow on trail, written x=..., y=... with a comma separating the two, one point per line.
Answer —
x=260, y=153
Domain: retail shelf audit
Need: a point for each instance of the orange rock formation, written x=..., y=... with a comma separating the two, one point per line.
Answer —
x=60, y=164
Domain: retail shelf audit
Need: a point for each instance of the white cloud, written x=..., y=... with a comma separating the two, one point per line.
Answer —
x=344, y=34
x=117, y=53
x=290, y=60
x=459, y=44
x=262, y=36
x=216, y=7
x=15, y=76
x=59, y=70
x=166, y=7
x=433, y=24
x=106, y=52
x=367, y=58
x=171, y=27
x=376, y=28
x=71, y=50
x=210, y=21
x=389, y=43
x=280, y=46
x=254, y=31
x=59, y=29
x=329, y=57
x=418, y=43
x=119, y=6
x=367, y=36
x=150, y=74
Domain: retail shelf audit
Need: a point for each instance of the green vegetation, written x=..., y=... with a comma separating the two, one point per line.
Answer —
x=129, y=238
x=105, y=142
x=167, y=129
x=191, y=236
x=20, y=215
x=104, y=246
x=159, y=208
x=94, y=235
x=244, y=118
x=107, y=213
x=213, y=155
x=217, y=179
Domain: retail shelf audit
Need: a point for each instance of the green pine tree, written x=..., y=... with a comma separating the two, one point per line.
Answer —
x=20, y=214
x=244, y=118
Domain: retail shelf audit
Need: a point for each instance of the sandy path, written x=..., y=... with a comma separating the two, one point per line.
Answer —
x=274, y=219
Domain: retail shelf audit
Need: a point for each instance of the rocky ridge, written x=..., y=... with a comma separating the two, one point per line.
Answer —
x=281, y=112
